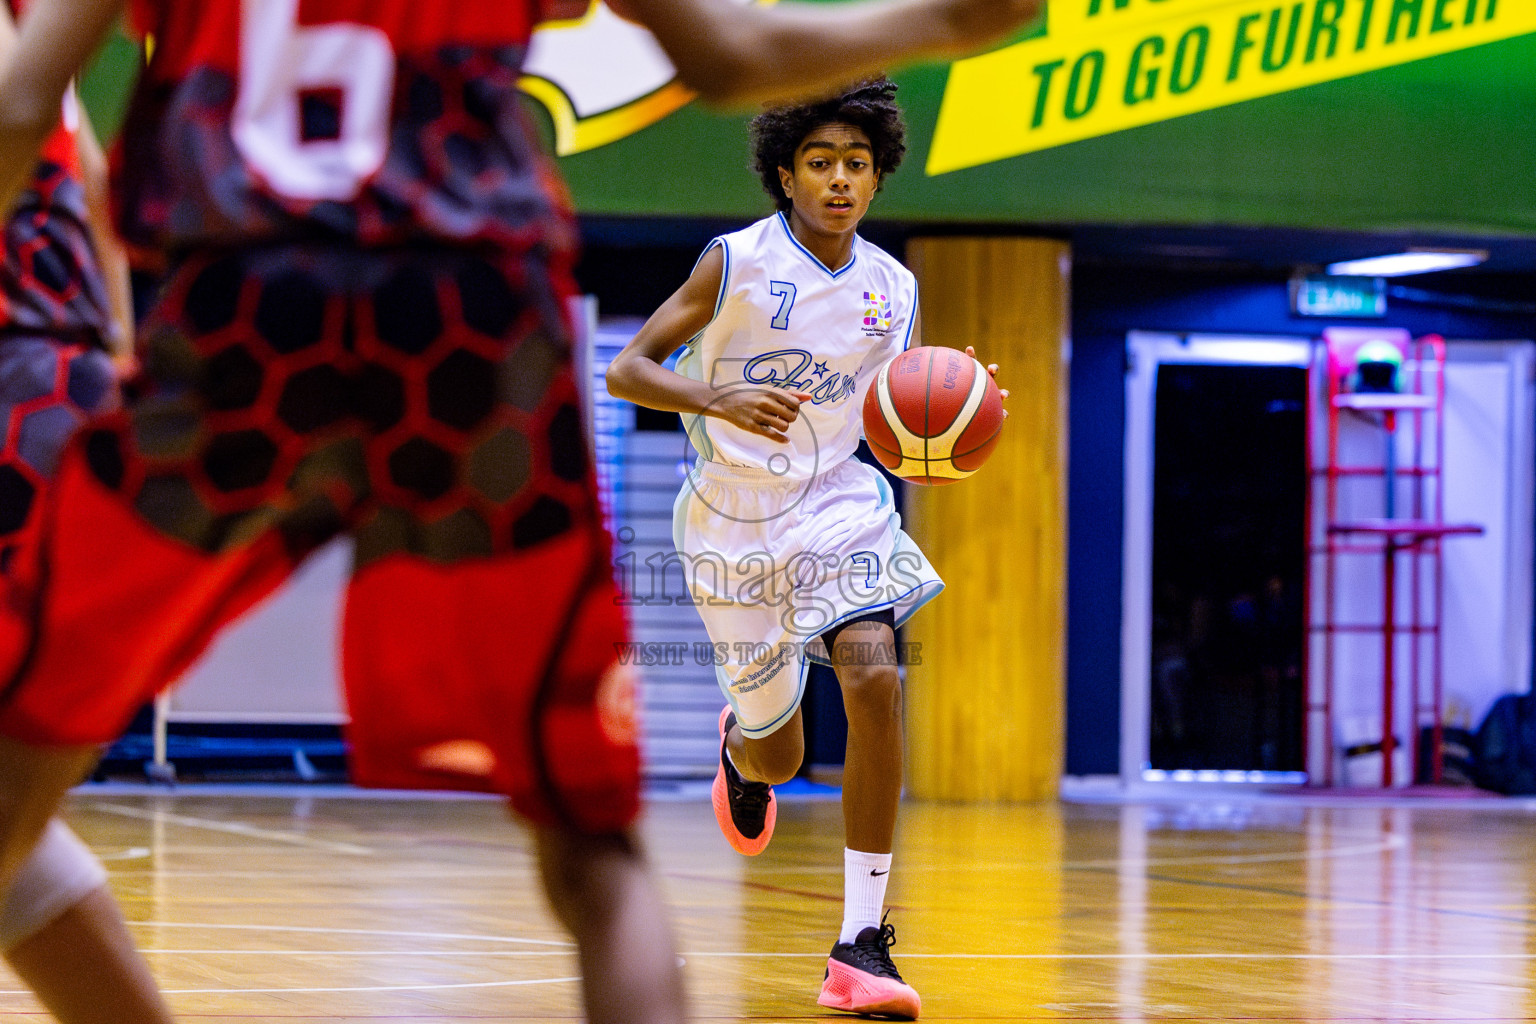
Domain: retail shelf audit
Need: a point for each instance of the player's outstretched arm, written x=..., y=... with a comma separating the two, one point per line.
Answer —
x=56, y=39
x=636, y=374
x=735, y=54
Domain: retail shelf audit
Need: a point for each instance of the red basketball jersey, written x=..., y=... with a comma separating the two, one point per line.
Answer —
x=369, y=122
x=50, y=281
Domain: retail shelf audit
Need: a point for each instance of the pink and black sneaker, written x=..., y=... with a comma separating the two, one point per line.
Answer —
x=744, y=810
x=861, y=978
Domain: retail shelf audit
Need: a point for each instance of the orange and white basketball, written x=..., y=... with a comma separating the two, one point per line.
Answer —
x=933, y=415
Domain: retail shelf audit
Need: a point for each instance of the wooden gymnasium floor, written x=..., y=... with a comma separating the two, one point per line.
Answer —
x=301, y=905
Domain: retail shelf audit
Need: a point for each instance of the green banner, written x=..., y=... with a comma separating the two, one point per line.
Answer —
x=1378, y=115
x=1109, y=65
x=1444, y=143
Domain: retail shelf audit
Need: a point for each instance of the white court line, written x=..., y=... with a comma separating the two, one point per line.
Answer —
x=510, y=879
x=819, y=955
x=1151, y=956
x=128, y=853
x=749, y=954
x=562, y=947
x=273, y=791
x=232, y=827
x=511, y=871
x=1381, y=846
x=314, y=930
x=912, y=866
x=425, y=987
x=367, y=952
x=719, y=955
x=566, y=946
x=265, y=851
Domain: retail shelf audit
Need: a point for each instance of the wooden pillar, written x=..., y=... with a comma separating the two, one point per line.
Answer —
x=985, y=696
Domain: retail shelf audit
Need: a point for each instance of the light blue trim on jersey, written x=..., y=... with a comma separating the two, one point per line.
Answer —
x=680, y=515
x=906, y=342
x=693, y=423
x=833, y=274
x=725, y=276
x=887, y=496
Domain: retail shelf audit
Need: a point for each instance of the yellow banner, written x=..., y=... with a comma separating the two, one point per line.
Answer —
x=1108, y=65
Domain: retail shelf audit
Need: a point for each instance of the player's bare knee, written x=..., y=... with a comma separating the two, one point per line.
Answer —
x=780, y=772
x=871, y=693
x=775, y=758
x=580, y=872
x=563, y=888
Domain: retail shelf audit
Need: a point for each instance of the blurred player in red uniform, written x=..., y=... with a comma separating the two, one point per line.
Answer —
x=363, y=330
x=65, y=312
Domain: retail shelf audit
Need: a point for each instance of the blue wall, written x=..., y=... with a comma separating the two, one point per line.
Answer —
x=1107, y=303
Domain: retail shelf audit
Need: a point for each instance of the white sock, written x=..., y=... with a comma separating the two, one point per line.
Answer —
x=864, y=876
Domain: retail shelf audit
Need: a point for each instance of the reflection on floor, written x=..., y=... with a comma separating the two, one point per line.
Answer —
x=262, y=904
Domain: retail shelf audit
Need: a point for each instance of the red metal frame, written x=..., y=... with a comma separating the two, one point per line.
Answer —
x=1418, y=535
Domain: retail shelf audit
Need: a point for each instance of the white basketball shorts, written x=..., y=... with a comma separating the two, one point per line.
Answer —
x=773, y=563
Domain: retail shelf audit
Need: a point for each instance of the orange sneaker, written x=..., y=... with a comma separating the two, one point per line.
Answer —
x=745, y=810
x=862, y=979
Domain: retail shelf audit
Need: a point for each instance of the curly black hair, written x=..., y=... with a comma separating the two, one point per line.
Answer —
x=869, y=106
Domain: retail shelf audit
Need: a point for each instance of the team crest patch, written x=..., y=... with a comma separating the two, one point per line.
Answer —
x=877, y=313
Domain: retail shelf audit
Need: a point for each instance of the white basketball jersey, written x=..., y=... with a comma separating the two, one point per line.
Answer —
x=783, y=320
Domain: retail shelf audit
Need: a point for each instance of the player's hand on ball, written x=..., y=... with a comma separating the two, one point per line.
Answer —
x=761, y=411
x=970, y=350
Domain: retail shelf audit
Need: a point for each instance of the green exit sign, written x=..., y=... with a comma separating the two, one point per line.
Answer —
x=1325, y=295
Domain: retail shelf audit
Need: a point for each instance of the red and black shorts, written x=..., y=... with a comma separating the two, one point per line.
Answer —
x=49, y=386
x=422, y=401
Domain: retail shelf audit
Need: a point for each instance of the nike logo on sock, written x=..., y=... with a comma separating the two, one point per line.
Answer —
x=873, y=872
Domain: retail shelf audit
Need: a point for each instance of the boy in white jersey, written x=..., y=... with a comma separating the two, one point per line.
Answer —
x=792, y=548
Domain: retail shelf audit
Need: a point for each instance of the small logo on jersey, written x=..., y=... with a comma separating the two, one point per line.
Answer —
x=877, y=313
